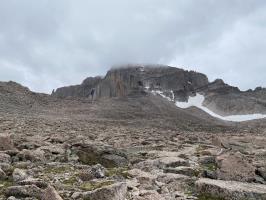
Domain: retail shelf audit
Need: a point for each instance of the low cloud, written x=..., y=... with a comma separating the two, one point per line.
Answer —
x=46, y=44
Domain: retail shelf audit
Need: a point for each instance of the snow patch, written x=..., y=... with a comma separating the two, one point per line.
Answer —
x=161, y=93
x=198, y=100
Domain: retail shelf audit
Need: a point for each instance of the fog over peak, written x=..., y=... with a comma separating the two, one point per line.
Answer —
x=46, y=44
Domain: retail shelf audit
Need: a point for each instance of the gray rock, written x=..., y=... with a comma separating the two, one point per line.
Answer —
x=19, y=175
x=230, y=190
x=7, y=168
x=188, y=171
x=94, y=153
x=50, y=194
x=112, y=192
x=2, y=174
x=31, y=181
x=77, y=195
x=96, y=171
x=12, y=198
x=172, y=162
x=262, y=172
x=5, y=158
x=31, y=155
x=113, y=160
x=6, y=143
x=24, y=191
x=205, y=160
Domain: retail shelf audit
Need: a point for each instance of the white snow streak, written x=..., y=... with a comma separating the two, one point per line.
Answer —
x=198, y=100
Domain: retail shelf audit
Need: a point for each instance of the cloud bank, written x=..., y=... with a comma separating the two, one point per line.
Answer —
x=46, y=44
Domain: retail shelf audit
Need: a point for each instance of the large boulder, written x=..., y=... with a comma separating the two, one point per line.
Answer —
x=50, y=194
x=24, y=191
x=98, y=153
x=235, y=167
x=230, y=190
x=112, y=192
x=31, y=155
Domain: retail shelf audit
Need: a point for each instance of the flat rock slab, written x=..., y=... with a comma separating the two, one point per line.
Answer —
x=231, y=190
x=112, y=192
x=172, y=162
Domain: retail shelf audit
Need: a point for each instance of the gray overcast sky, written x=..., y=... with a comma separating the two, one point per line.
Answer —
x=45, y=44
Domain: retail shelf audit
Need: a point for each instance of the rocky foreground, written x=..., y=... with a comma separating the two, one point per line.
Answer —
x=70, y=155
x=49, y=163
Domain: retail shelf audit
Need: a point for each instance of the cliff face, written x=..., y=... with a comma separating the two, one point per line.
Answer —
x=176, y=84
x=135, y=80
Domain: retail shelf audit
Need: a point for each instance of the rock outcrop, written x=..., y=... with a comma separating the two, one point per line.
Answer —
x=83, y=90
x=229, y=190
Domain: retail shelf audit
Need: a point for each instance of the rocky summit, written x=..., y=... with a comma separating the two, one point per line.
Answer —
x=126, y=136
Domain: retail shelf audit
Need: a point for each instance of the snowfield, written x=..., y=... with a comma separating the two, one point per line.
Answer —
x=198, y=100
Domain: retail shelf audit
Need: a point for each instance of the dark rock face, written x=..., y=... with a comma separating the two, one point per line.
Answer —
x=228, y=100
x=134, y=80
x=82, y=90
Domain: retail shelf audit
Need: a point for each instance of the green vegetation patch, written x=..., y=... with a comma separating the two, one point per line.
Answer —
x=71, y=181
x=57, y=169
x=5, y=184
x=89, y=186
x=120, y=171
x=208, y=197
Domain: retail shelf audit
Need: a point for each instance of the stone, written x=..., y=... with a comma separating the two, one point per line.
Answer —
x=113, y=160
x=24, y=191
x=50, y=194
x=12, y=198
x=96, y=171
x=115, y=191
x=31, y=181
x=230, y=190
x=6, y=143
x=172, y=162
x=7, y=168
x=29, y=155
x=205, y=160
x=77, y=195
x=149, y=195
x=19, y=175
x=2, y=174
x=188, y=171
x=141, y=176
x=209, y=174
x=170, y=177
x=98, y=153
x=262, y=172
x=234, y=166
x=5, y=158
